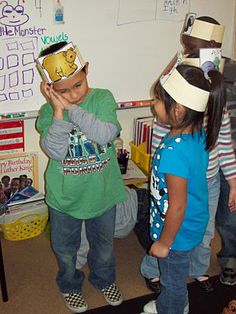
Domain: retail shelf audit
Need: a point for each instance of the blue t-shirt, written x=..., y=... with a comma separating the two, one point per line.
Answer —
x=183, y=156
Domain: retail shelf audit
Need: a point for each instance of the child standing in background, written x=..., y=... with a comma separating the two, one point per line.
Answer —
x=206, y=33
x=81, y=184
x=179, y=196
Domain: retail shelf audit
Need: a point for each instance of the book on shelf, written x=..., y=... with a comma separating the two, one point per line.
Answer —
x=23, y=211
x=142, y=131
x=27, y=195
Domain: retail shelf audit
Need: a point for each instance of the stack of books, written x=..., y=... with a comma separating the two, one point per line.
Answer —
x=28, y=194
x=27, y=200
x=143, y=131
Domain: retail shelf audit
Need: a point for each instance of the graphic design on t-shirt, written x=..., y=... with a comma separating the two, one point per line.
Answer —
x=84, y=156
x=159, y=196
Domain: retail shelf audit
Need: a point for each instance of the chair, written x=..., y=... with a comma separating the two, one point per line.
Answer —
x=3, y=277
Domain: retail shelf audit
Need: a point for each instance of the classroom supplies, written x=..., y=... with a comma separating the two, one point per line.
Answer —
x=24, y=221
x=28, y=195
x=123, y=158
x=58, y=12
x=134, y=174
x=140, y=157
x=134, y=104
x=24, y=215
x=142, y=131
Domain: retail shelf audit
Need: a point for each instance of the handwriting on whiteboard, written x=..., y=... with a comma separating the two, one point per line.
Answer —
x=133, y=11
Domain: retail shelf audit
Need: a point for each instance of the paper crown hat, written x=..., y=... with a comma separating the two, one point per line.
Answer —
x=209, y=59
x=60, y=64
x=203, y=30
x=183, y=92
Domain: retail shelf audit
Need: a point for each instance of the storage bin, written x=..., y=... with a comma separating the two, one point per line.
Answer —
x=140, y=157
x=24, y=221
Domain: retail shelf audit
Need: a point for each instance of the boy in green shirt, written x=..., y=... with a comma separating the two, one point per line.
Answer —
x=83, y=180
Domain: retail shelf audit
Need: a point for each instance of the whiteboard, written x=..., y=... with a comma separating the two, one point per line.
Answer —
x=126, y=42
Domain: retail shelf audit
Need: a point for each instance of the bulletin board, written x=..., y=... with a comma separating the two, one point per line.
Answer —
x=126, y=42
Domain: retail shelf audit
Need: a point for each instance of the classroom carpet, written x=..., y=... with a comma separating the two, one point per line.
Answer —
x=200, y=301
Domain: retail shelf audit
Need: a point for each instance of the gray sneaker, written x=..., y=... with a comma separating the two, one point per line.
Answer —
x=228, y=277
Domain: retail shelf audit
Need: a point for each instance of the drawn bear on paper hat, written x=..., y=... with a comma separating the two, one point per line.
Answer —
x=60, y=64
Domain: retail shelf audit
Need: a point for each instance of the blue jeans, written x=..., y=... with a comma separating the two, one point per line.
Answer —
x=65, y=240
x=200, y=256
x=226, y=226
x=174, y=273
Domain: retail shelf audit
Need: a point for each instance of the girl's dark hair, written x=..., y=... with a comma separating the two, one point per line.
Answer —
x=215, y=106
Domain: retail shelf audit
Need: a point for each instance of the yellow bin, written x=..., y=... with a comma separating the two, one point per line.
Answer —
x=25, y=227
x=140, y=157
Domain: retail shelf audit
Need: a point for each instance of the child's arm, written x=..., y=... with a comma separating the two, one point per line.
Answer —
x=102, y=132
x=101, y=125
x=54, y=133
x=56, y=142
x=177, y=195
x=227, y=157
x=225, y=149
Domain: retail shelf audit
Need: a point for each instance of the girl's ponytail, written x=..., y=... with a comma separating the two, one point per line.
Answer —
x=215, y=107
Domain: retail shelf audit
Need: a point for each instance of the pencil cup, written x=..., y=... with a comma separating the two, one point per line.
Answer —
x=123, y=163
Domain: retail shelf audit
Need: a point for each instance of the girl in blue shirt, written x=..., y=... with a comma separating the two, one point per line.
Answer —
x=179, y=198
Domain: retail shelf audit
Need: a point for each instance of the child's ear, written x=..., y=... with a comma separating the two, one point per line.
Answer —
x=179, y=111
x=86, y=68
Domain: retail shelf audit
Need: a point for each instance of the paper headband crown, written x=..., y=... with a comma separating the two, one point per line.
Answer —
x=203, y=30
x=209, y=59
x=60, y=64
x=184, y=93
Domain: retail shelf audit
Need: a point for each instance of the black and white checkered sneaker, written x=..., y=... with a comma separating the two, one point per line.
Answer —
x=112, y=295
x=75, y=302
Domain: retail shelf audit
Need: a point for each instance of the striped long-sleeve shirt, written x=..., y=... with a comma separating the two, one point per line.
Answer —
x=221, y=156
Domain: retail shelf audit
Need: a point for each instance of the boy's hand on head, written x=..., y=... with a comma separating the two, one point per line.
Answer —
x=159, y=249
x=58, y=101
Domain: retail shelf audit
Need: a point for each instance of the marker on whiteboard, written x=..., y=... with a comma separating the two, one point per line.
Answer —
x=58, y=12
x=13, y=115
